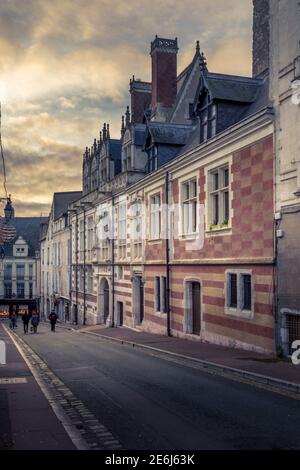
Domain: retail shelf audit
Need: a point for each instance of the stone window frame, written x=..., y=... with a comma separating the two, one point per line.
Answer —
x=239, y=311
x=161, y=306
x=209, y=169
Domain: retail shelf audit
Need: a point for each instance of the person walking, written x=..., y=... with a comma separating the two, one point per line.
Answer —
x=13, y=320
x=35, y=319
x=25, y=319
x=53, y=319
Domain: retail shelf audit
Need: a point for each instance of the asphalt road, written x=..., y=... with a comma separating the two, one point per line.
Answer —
x=152, y=404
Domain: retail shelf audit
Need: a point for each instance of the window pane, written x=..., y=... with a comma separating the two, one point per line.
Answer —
x=193, y=188
x=215, y=181
x=226, y=178
x=215, y=209
x=226, y=206
x=247, y=301
x=194, y=216
x=233, y=290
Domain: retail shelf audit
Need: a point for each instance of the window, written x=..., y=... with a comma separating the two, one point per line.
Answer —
x=213, y=120
x=20, y=271
x=155, y=217
x=247, y=301
x=30, y=271
x=189, y=207
x=137, y=229
x=122, y=231
x=7, y=271
x=30, y=290
x=90, y=278
x=120, y=273
x=153, y=165
x=239, y=297
x=233, y=290
x=219, y=198
x=160, y=294
x=81, y=279
x=81, y=240
x=7, y=290
x=90, y=237
x=20, y=290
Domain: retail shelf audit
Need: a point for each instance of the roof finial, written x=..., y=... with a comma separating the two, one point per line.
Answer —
x=127, y=117
x=104, y=132
x=197, y=46
x=122, y=128
x=100, y=137
x=203, y=62
x=108, y=134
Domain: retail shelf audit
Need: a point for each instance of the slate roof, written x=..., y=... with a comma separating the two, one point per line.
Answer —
x=61, y=202
x=115, y=149
x=170, y=134
x=29, y=229
x=139, y=132
x=232, y=87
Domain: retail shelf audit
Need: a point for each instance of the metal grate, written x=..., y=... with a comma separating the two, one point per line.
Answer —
x=293, y=329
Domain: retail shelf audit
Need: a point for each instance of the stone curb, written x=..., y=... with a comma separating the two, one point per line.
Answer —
x=255, y=378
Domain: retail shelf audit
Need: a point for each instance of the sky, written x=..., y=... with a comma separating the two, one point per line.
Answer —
x=66, y=66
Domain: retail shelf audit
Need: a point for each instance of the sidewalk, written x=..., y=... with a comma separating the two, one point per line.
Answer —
x=27, y=419
x=246, y=362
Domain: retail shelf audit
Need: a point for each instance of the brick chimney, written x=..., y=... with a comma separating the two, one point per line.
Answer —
x=164, y=72
x=140, y=99
x=261, y=37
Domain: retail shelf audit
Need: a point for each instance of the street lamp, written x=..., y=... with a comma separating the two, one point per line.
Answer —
x=9, y=211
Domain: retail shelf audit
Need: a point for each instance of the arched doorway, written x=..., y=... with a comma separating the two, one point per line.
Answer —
x=103, y=301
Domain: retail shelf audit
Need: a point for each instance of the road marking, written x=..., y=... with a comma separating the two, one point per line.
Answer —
x=77, y=420
x=12, y=380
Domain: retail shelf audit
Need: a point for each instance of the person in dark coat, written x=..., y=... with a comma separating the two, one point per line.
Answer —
x=35, y=320
x=13, y=320
x=53, y=319
x=25, y=319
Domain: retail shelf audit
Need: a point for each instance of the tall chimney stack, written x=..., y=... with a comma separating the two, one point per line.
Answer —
x=164, y=72
x=140, y=99
x=261, y=37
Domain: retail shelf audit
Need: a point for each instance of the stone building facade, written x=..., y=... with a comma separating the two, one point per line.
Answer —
x=174, y=232
x=188, y=223
x=284, y=71
x=55, y=264
x=19, y=279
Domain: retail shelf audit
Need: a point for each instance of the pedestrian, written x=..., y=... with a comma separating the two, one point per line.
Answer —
x=53, y=319
x=25, y=319
x=13, y=321
x=35, y=319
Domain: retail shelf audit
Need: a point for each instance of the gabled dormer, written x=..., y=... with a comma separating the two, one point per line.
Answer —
x=20, y=248
x=223, y=100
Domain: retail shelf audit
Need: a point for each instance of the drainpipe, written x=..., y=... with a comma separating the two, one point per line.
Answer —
x=70, y=271
x=84, y=267
x=113, y=262
x=76, y=270
x=167, y=255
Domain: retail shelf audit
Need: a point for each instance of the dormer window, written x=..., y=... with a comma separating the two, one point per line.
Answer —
x=213, y=120
x=153, y=158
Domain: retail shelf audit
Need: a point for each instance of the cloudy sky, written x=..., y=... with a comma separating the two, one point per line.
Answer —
x=66, y=66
